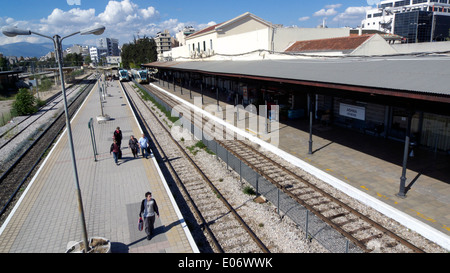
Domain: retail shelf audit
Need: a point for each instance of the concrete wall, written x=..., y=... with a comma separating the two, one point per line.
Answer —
x=374, y=46
x=422, y=47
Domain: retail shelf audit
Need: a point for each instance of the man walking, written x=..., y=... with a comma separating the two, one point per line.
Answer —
x=149, y=208
x=144, y=145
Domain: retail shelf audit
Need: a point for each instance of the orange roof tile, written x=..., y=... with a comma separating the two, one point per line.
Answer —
x=331, y=44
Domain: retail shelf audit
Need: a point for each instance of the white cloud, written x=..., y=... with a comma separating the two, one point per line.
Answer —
x=72, y=17
x=373, y=2
x=123, y=19
x=325, y=12
x=119, y=12
x=352, y=16
x=305, y=18
x=335, y=6
x=115, y=11
x=149, y=12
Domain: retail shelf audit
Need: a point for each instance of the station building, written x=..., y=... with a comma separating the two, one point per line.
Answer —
x=362, y=83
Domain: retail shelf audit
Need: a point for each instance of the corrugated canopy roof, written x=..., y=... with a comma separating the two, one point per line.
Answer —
x=427, y=74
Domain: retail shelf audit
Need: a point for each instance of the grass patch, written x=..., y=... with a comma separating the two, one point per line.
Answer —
x=249, y=190
x=194, y=149
x=146, y=96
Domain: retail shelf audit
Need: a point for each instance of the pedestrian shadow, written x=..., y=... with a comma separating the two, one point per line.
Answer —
x=117, y=247
x=163, y=228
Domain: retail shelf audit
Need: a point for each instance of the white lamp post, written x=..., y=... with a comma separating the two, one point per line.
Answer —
x=57, y=42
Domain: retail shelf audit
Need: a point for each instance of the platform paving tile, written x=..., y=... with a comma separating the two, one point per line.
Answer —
x=47, y=217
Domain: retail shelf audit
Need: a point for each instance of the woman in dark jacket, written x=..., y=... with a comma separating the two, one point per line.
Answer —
x=118, y=136
x=115, y=149
x=134, y=145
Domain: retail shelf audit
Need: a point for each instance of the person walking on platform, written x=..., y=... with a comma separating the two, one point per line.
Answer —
x=144, y=145
x=118, y=136
x=115, y=149
x=150, y=209
x=134, y=145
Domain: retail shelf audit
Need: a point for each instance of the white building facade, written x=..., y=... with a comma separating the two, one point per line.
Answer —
x=246, y=34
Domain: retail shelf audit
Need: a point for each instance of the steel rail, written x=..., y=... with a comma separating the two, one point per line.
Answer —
x=327, y=195
x=49, y=100
x=232, y=210
x=33, y=164
x=172, y=169
x=361, y=216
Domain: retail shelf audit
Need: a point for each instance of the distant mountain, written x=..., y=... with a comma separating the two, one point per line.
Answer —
x=27, y=49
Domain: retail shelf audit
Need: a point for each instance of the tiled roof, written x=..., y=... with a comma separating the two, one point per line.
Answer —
x=331, y=44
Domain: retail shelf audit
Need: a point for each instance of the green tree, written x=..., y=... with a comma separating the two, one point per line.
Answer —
x=24, y=103
x=73, y=59
x=87, y=59
x=3, y=64
x=140, y=51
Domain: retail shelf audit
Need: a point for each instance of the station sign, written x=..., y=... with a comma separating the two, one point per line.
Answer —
x=352, y=111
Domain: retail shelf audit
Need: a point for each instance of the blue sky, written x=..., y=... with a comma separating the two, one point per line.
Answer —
x=125, y=18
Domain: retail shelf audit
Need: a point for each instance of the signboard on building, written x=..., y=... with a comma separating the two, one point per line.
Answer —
x=352, y=111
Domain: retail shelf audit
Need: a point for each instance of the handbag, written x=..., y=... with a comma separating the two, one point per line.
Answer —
x=140, y=224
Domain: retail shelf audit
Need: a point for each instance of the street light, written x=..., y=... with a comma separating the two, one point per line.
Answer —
x=11, y=31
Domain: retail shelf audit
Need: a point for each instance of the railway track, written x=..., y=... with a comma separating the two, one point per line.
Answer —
x=24, y=165
x=23, y=126
x=358, y=228
x=225, y=228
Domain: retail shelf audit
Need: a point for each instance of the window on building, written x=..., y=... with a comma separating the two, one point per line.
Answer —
x=402, y=3
x=415, y=26
x=386, y=5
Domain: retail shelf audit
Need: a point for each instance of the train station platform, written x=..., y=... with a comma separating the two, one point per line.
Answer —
x=46, y=218
x=365, y=167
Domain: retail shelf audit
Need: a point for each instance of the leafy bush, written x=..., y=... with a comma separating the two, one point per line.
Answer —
x=24, y=103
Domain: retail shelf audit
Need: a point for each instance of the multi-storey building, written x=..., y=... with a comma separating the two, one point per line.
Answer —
x=415, y=20
x=181, y=36
x=163, y=42
x=110, y=45
x=97, y=53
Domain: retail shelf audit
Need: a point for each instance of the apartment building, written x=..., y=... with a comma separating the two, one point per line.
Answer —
x=416, y=20
x=111, y=46
x=163, y=42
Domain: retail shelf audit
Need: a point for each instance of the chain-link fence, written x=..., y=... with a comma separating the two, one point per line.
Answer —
x=313, y=226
